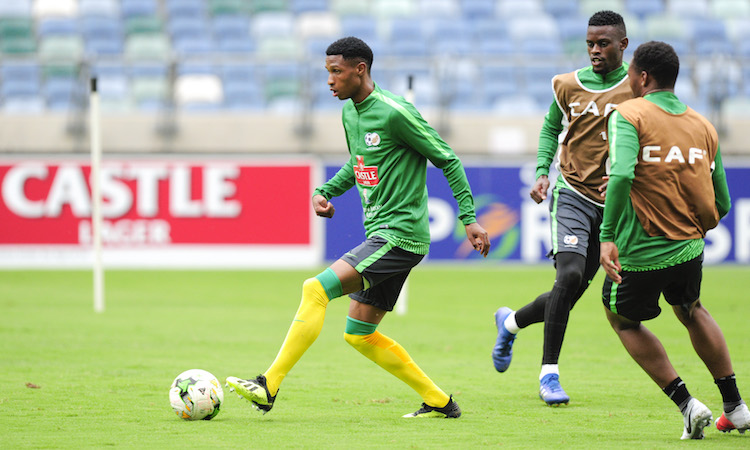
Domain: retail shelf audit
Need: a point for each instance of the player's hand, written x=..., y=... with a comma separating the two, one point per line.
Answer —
x=610, y=261
x=479, y=238
x=322, y=207
x=603, y=188
x=539, y=190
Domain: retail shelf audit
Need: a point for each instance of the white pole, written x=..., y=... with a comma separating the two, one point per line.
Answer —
x=402, y=304
x=96, y=197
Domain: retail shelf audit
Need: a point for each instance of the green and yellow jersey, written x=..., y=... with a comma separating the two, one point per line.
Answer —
x=389, y=145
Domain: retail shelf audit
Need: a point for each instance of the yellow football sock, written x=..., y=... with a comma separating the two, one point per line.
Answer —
x=392, y=357
x=302, y=333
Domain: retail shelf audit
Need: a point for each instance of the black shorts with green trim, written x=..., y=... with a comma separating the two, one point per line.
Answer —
x=384, y=266
x=637, y=297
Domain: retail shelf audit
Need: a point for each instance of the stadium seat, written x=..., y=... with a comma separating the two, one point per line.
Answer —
x=150, y=94
x=350, y=7
x=361, y=26
x=561, y=8
x=138, y=8
x=185, y=27
x=67, y=48
x=498, y=82
x=279, y=48
x=588, y=7
x=540, y=26
x=730, y=9
x=438, y=8
x=236, y=45
x=227, y=7
x=57, y=26
x=518, y=105
x=478, y=9
x=511, y=9
x=644, y=8
x=272, y=24
x=198, y=92
x=244, y=97
x=667, y=27
x=186, y=9
x=102, y=35
x=55, y=8
x=384, y=9
x=317, y=25
x=63, y=94
x=190, y=46
x=143, y=25
x=145, y=47
x=259, y=6
x=688, y=8
x=16, y=8
x=305, y=6
x=224, y=26
x=106, y=8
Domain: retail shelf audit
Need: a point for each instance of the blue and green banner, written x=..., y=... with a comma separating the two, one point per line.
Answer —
x=518, y=227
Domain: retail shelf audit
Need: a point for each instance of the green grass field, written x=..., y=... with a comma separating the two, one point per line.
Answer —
x=103, y=379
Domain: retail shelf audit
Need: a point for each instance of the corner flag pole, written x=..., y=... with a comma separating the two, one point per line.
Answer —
x=96, y=196
x=402, y=304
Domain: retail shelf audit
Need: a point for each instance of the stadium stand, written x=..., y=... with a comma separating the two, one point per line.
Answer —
x=462, y=52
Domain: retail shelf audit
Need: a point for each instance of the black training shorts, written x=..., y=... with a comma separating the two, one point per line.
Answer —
x=384, y=266
x=637, y=297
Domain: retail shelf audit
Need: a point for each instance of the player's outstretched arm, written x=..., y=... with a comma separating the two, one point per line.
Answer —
x=479, y=238
x=539, y=190
x=322, y=206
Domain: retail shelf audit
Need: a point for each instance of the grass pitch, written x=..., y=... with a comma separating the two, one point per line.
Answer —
x=72, y=378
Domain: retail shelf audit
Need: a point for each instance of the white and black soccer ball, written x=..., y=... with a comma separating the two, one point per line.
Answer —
x=196, y=395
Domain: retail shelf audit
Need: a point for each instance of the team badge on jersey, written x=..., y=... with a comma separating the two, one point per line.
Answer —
x=372, y=139
x=366, y=176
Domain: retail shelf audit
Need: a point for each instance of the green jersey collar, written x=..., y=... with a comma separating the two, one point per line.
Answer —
x=593, y=80
x=370, y=100
x=668, y=101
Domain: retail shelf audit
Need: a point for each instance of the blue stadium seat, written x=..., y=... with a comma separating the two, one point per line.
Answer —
x=478, y=9
x=102, y=35
x=105, y=8
x=438, y=8
x=688, y=8
x=59, y=26
x=510, y=9
x=63, y=94
x=230, y=26
x=363, y=27
x=16, y=8
x=644, y=8
x=303, y=6
x=236, y=45
x=138, y=8
x=561, y=8
x=186, y=8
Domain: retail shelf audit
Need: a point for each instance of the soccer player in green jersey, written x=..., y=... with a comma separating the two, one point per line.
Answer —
x=667, y=188
x=583, y=99
x=389, y=144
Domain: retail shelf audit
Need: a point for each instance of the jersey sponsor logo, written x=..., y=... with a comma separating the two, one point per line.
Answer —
x=570, y=240
x=591, y=108
x=372, y=139
x=653, y=153
x=366, y=176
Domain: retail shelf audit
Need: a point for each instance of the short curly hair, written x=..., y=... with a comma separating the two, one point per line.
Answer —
x=352, y=49
x=611, y=18
x=659, y=60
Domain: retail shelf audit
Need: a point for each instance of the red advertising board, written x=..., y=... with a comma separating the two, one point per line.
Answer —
x=157, y=204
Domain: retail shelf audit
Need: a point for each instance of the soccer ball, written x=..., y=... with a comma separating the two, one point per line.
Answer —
x=196, y=394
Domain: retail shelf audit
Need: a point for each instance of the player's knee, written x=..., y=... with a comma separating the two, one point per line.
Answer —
x=355, y=340
x=570, y=268
x=312, y=290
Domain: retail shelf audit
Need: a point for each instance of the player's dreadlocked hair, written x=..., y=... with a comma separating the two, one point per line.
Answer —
x=659, y=60
x=351, y=48
x=603, y=18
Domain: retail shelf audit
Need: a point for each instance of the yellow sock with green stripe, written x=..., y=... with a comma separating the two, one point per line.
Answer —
x=316, y=293
x=392, y=357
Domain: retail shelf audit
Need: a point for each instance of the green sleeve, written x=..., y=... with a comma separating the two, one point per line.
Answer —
x=338, y=184
x=623, y=154
x=417, y=134
x=548, y=139
x=721, y=189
